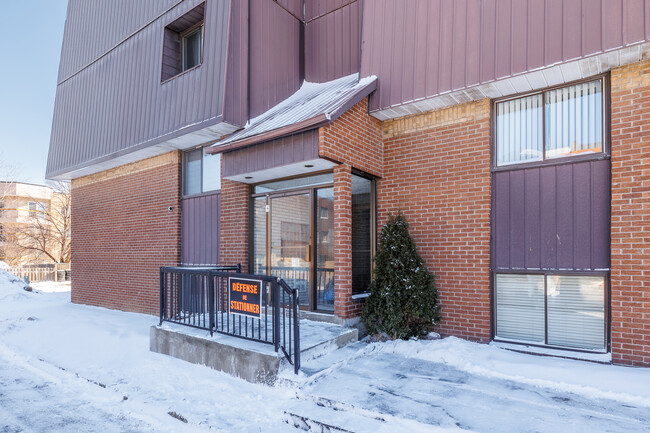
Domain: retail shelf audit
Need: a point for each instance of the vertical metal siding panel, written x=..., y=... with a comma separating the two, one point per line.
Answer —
x=503, y=38
x=582, y=211
x=633, y=21
x=612, y=24
x=408, y=62
x=433, y=47
x=548, y=219
x=236, y=96
x=535, y=34
x=386, y=33
x=459, y=44
x=565, y=217
x=473, y=50
x=396, y=72
x=600, y=214
x=502, y=220
x=420, y=61
x=553, y=31
x=488, y=40
x=646, y=14
x=446, y=46
x=532, y=218
x=572, y=29
x=592, y=35
x=518, y=41
x=518, y=221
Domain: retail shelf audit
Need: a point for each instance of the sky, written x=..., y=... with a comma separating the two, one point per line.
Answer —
x=28, y=76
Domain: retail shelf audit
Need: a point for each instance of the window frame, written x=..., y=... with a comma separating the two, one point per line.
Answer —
x=183, y=174
x=547, y=273
x=198, y=27
x=36, y=212
x=569, y=159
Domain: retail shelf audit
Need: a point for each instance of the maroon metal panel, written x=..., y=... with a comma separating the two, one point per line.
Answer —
x=592, y=34
x=600, y=227
x=478, y=41
x=634, y=21
x=294, y=7
x=488, y=40
x=552, y=217
x=518, y=221
x=274, y=55
x=118, y=102
x=535, y=50
x=518, y=38
x=531, y=202
x=235, y=109
x=548, y=222
x=612, y=23
x=93, y=28
x=275, y=153
x=332, y=44
x=200, y=230
x=318, y=8
x=501, y=220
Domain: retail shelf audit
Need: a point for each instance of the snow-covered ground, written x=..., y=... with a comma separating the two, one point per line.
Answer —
x=74, y=368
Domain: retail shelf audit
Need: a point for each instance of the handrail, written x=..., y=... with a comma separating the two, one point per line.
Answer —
x=197, y=296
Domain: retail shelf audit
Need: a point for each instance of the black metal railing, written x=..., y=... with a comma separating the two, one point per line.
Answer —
x=198, y=297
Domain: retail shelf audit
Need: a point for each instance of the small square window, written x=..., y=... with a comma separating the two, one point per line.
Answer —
x=201, y=172
x=183, y=43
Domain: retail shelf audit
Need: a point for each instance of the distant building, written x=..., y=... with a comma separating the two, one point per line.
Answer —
x=280, y=134
x=26, y=207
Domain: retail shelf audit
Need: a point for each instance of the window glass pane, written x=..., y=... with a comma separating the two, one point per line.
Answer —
x=520, y=307
x=325, y=250
x=211, y=171
x=361, y=233
x=576, y=311
x=295, y=183
x=259, y=235
x=519, y=130
x=192, y=172
x=192, y=43
x=574, y=120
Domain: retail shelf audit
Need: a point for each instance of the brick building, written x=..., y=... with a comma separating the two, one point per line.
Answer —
x=280, y=134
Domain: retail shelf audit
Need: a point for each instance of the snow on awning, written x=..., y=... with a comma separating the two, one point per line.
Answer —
x=313, y=105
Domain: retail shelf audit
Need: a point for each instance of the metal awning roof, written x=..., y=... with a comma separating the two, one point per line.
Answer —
x=313, y=105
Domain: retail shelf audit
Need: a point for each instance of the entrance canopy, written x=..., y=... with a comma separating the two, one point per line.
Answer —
x=283, y=141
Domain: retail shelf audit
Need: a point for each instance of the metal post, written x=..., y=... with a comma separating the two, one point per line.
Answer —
x=162, y=295
x=275, y=296
x=211, y=298
x=296, y=332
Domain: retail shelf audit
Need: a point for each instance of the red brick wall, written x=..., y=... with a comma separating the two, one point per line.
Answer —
x=437, y=171
x=630, y=232
x=235, y=199
x=122, y=232
x=354, y=139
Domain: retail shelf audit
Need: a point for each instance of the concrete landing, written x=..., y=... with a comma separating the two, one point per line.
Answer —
x=249, y=360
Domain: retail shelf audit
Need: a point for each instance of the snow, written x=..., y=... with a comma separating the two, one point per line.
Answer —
x=73, y=368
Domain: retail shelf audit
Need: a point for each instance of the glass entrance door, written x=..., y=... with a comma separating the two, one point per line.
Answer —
x=290, y=241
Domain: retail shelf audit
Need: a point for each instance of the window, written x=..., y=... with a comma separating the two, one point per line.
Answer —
x=555, y=123
x=2, y=209
x=183, y=43
x=36, y=209
x=557, y=310
x=201, y=172
x=2, y=233
x=192, y=43
x=324, y=212
x=363, y=232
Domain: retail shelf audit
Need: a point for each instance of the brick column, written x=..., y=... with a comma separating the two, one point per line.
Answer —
x=343, y=241
x=630, y=231
x=233, y=242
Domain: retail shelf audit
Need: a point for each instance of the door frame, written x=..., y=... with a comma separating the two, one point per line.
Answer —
x=312, y=304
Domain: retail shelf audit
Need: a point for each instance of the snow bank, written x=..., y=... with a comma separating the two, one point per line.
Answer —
x=624, y=384
x=11, y=286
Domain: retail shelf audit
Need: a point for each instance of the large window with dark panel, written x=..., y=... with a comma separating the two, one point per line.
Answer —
x=550, y=217
x=183, y=43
